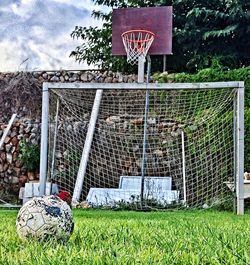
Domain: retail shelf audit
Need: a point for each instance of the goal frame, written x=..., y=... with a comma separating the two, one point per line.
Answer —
x=238, y=121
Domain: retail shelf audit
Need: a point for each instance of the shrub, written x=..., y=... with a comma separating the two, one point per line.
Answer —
x=214, y=74
x=29, y=155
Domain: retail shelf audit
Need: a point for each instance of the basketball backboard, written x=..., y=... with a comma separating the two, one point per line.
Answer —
x=155, y=19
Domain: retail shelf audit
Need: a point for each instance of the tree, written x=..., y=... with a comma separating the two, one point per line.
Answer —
x=202, y=30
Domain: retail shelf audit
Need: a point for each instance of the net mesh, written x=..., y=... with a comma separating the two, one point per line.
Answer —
x=204, y=117
x=137, y=44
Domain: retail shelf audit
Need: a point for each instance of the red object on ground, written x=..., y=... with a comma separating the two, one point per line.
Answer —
x=65, y=196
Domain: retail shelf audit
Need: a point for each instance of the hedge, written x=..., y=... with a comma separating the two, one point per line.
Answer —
x=213, y=74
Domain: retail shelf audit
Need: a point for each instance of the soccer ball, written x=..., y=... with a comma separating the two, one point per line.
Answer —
x=45, y=217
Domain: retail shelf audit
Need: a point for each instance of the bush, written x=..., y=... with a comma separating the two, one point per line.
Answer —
x=29, y=155
x=214, y=74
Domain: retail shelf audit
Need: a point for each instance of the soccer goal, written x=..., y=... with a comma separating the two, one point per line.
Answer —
x=92, y=143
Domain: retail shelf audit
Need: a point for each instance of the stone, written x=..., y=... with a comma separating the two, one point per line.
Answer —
x=127, y=163
x=14, y=180
x=33, y=141
x=113, y=119
x=54, y=79
x=158, y=153
x=9, y=158
x=136, y=148
x=45, y=76
x=23, y=179
x=1, y=168
x=84, y=77
x=247, y=176
x=15, y=155
x=31, y=175
x=2, y=156
x=8, y=148
x=119, y=76
x=32, y=136
x=14, y=140
x=7, y=139
x=4, y=167
x=108, y=79
x=13, y=133
x=90, y=77
x=151, y=121
x=138, y=121
x=192, y=128
x=34, y=129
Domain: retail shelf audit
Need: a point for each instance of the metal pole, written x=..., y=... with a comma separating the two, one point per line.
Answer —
x=144, y=152
x=183, y=167
x=240, y=150
x=164, y=62
x=87, y=147
x=141, y=62
x=44, y=140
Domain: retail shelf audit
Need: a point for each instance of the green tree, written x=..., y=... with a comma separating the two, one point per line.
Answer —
x=202, y=30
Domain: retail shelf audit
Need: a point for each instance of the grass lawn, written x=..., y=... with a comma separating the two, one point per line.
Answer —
x=109, y=237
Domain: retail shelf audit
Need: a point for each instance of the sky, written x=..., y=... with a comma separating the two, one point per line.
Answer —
x=35, y=34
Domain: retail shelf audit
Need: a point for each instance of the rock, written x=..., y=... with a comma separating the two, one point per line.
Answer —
x=32, y=136
x=119, y=77
x=69, y=128
x=7, y=139
x=14, y=180
x=205, y=206
x=54, y=79
x=247, y=176
x=8, y=148
x=158, y=153
x=2, y=156
x=151, y=121
x=31, y=175
x=84, y=77
x=9, y=158
x=192, y=128
x=127, y=163
x=45, y=76
x=90, y=77
x=83, y=205
x=34, y=129
x=113, y=119
x=14, y=140
x=1, y=168
x=136, y=148
x=108, y=79
x=13, y=134
x=23, y=179
x=138, y=121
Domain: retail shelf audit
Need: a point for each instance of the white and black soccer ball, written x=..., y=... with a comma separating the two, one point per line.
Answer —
x=45, y=217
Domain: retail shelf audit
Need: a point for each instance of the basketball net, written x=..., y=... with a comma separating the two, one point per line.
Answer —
x=137, y=44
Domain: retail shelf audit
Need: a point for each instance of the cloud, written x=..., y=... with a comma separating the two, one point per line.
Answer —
x=40, y=31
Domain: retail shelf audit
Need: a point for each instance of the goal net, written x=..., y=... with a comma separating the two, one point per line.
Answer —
x=190, y=151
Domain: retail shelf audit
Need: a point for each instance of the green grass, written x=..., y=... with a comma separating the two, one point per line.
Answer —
x=109, y=237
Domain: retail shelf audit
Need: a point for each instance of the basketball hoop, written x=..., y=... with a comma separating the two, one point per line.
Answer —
x=137, y=44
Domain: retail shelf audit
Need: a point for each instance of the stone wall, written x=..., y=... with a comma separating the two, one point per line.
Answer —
x=20, y=92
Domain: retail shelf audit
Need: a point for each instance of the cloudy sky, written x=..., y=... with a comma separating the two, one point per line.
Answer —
x=35, y=34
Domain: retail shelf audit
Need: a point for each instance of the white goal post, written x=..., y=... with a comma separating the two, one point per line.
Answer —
x=189, y=125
